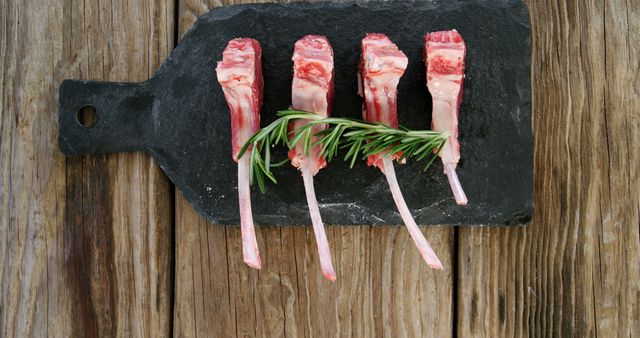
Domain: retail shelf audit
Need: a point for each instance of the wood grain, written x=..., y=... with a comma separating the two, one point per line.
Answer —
x=383, y=287
x=574, y=270
x=120, y=220
x=86, y=242
x=34, y=302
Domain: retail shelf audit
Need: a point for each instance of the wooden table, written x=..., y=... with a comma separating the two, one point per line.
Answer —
x=104, y=245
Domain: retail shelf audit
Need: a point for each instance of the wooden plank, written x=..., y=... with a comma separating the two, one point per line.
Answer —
x=85, y=241
x=383, y=287
x=574, y=270
x=123, y=215
x=618, y=242
x=33, y=300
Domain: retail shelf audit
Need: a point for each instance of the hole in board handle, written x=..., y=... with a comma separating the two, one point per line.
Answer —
x=87, y=116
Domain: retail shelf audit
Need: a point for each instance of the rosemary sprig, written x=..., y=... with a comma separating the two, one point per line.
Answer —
x=273, y=134
x=359, y=139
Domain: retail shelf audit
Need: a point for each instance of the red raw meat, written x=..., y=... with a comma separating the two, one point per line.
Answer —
x=312, y=91
x=381, y=67
x=444, y=54
x=240, y=75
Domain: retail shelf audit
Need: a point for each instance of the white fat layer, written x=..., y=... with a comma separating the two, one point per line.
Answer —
x=240, y=99
x=445, y=87
x=242, y=76
x=320, y=56
x=384, y=80
x=309, y=97
x=377, y=63
x=447, y=53
x=381, y=88
x=445, y=119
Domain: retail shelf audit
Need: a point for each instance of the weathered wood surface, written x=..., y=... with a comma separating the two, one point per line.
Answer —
x=86, y=243
x=574, y=270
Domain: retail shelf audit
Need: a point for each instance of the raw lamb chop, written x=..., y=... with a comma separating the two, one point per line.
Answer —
x=381, y=67
x=444, y=54
x=240, y=75
x=312, y=91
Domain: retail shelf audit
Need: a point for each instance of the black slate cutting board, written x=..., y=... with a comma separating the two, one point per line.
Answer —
x=181, y=118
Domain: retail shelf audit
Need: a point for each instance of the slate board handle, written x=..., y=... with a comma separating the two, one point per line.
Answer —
x=123, y=117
